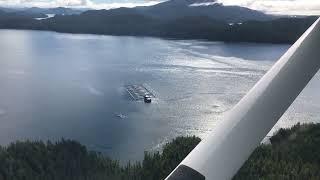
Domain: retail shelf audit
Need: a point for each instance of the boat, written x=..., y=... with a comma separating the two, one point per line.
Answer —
x=147, y=99
x=121, y=116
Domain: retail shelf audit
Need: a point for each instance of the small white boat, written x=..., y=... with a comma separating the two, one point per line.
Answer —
x=121, y=116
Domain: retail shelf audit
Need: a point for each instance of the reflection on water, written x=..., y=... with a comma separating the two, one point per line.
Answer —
x=62, y=85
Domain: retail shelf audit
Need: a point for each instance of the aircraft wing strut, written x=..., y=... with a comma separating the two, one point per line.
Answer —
x=223, y=152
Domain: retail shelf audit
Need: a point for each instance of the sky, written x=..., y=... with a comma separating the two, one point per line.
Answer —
x=292, y=7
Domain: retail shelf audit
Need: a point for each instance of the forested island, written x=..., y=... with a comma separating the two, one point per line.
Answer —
x=215, y=22
x=292, y=154
x=282, y=30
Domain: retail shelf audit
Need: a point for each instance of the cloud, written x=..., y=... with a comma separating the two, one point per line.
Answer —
x=291, y=7
x=71, y=2
x=75, y=3
x=112, y=5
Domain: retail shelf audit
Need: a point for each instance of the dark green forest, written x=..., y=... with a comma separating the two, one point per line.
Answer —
x=292, y=154
x=174, y=19
x=281, y=30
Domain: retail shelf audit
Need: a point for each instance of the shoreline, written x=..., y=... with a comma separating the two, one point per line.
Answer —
x=147, y=36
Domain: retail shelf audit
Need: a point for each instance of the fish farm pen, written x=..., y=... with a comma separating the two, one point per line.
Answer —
x=139, y=92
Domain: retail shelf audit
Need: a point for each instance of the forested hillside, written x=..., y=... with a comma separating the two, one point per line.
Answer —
x=130, y=23
x=293, y=154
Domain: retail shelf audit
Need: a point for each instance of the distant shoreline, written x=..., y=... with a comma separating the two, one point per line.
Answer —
x=146, y=36
x=278, y=31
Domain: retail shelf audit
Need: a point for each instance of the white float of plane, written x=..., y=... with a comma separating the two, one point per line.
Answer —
x=223, y=152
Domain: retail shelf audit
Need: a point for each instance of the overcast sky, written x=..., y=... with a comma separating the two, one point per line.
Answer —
x=302, y=7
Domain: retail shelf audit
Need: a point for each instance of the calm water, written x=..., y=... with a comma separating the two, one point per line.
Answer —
x=62, y=85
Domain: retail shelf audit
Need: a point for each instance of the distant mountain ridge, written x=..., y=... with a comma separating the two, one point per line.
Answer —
x=175, y=9
x=20, y=13
x=36, y=12
x=168, y=10
x=57, y=10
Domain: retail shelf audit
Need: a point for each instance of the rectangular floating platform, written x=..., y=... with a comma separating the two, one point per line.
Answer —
x=138, y=91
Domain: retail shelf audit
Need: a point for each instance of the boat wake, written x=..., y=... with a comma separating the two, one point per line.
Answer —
x=95, y=91
x=2, y=112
